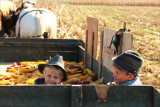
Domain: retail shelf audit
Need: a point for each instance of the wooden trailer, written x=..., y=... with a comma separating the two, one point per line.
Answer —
x=13, y=49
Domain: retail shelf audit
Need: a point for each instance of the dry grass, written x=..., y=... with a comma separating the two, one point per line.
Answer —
x=115, y=2
x=144, y=23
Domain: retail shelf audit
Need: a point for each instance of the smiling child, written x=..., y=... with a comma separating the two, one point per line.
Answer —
x=53, y=71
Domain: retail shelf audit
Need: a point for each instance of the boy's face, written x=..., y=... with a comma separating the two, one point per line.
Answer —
x=51, y=77
x=120, y=76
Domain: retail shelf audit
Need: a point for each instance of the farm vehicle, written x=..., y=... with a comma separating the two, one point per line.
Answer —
x=82, y=95
x=73, y=95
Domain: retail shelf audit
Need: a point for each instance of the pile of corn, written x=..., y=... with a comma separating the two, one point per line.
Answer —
x=21, y=73
x=78, y=73
x=25, y=73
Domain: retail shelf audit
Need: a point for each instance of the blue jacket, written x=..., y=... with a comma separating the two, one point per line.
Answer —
x=39, y=81
x=135, y=81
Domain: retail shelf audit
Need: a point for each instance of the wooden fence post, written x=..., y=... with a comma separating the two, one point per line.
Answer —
x=101, y=51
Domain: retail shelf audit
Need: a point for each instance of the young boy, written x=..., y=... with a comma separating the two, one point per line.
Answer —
x=53, y=71
x=126, y=68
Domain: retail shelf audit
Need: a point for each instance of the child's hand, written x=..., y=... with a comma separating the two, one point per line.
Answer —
x=111, y=83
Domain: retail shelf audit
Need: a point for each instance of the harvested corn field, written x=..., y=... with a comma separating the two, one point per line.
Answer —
x=115, y=2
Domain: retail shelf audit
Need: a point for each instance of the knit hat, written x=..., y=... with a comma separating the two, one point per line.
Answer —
x=129, y=62
x=55, y=61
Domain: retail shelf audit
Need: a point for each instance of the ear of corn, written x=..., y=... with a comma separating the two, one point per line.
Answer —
x=90, y=72
x=4, y=82
x=21, y=77
x=73, y=76
x=27, y=69
x=11, y=70
x=30, y=81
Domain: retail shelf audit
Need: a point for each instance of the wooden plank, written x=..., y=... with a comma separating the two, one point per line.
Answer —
x=76, y=96
x=108, y=53
x=28, y=49
x=12, y=54
x=86, y=45
x=119, y=96
x=121, y=39
x=106, y=75
x=35, y=96
x=73, y=96
x=35, y=45
x=40, y=42
x=107, y=58
x=92, y=27
x=120, y=44
x=101, y=91
x=156, y=98
x=80, y=56
x=101, y=49
x=127, y=42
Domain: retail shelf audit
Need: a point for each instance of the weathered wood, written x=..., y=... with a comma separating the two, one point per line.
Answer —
x=101, y=91
x=80, y=53
x=92, y=38
x=106, y=75
x=35, y=96
x=29, y=42
x=119, y=96
x=101, y=50
x=107, y=57
x=92, y=27
x=31, y=54
x=127, y=42
x=109, y=51
x=76, y=96
x=86, y=43
x=71, y=96
x=121, y=39
x=92, y=51
x=156, y=98
x=26, y=50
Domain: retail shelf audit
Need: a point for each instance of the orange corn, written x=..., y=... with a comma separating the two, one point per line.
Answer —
x=26, y=69
x=83, y=77
x=21, y=77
